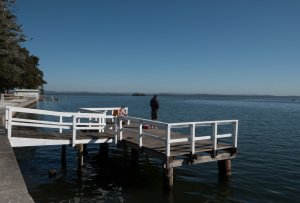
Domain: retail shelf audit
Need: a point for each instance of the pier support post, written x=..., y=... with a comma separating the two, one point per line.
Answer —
x=134, y=156
x=80, y=157
x=224, y=168
x=104, y=149
x=168, y=173
x=85, y=151
x=63, y=156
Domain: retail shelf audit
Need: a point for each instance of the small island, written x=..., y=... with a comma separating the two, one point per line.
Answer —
x=138, y=94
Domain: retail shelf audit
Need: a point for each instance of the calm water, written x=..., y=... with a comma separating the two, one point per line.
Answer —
x=267, y=167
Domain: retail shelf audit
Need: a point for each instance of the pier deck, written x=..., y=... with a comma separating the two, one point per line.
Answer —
x=178, y=151
x=175, y=144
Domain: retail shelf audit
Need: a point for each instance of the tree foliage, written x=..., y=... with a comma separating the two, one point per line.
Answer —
x=18, y=68
x=31, y=75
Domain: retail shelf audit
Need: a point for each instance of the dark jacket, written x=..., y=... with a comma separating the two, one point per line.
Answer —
x=154, y=104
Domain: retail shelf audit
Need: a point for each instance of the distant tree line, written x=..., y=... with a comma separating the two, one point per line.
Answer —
x=18, y=68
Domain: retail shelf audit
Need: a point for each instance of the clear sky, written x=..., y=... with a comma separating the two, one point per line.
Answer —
x=158, y=46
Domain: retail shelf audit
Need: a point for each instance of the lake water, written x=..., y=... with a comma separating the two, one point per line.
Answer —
x=267, y=167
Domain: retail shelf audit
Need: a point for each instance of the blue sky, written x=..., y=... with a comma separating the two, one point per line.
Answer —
x=156, y=46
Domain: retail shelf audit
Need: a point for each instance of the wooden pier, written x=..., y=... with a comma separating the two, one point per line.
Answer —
x=175, y=144
x=180, y=153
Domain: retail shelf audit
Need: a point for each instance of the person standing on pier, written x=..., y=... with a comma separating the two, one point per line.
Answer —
x=154, y=107
x=122, y=111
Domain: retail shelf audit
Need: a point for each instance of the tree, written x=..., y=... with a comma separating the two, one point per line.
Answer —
x=17, y=67
x=9, y=44
x=31, y=75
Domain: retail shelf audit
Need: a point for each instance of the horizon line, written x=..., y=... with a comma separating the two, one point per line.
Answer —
x=168, y=93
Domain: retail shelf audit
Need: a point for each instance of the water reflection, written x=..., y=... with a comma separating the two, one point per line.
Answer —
x=224, y=191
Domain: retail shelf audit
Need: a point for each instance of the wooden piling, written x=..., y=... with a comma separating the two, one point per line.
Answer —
x=63, y=156
x=224, y=168
x=104, y=148
x=134, y=156
x=85, y=151
x=168, y=172
x=80, y=157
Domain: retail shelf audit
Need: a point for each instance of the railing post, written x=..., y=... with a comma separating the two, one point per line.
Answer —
x=214, y=137
x=74, y=131
x=168, y=141
x=103, y=120
x=116, y=129
x=9, y=124
x=90, y=122
x=120, y=128
x=140, y=135
x=100, y=121
x=128, y=121
x=6, y=117
x=235, y=128
x=192, y=127
x=60, y=121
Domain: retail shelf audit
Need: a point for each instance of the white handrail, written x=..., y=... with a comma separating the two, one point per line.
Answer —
x=191, y=138
x=89, y=121
x=39, y=111
x=213, y=137
x=106, y=110
x=158, y=124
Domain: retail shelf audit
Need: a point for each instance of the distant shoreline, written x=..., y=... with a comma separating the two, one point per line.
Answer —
x=165, y=94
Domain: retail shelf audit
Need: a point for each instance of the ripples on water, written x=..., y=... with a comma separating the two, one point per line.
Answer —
x=266, y=168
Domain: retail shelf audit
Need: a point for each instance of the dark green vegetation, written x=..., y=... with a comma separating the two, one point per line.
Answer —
x=18, y=68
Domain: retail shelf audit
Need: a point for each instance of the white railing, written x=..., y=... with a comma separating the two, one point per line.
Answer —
x=97, y=121
x=192, y=138
x=77, y=121
x=109, y=111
